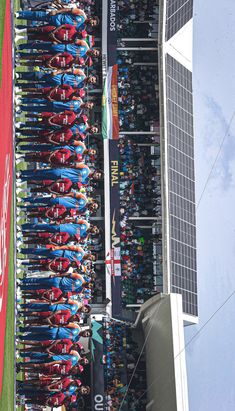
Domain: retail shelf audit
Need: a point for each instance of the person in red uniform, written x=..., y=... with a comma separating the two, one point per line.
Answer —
x=57, y=367
x=44, y=238
x=52, y=295
x=61, y=317
x=54, y=384
x=57, y=212
x=61, y=187
x=61, y=61
x=64, y=92
x=54, y=400
x=61, y=237
x=64, y=346
x=70, y=135
x=49, y=119
x=59, y=265
x=67, y=33
x=62, y=156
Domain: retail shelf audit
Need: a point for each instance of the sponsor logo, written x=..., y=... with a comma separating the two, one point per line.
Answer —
x=99, y=402
x=112, y=15
x=114, y=172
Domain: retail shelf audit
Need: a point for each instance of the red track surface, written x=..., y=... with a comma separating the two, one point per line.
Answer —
x=5, y=174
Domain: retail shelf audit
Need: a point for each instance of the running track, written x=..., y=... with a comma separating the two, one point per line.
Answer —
x=6, y=123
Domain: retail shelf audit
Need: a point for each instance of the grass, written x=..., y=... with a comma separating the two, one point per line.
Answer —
x=7, y=397
x=2, y=17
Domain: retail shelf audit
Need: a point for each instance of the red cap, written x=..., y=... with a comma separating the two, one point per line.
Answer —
x=78, y=382
x=84, y=34
x=80, y=368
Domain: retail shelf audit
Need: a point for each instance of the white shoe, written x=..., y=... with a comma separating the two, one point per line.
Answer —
x=18, y=124
x=19, y=184
x=18, y=190
x=18, y=174
x=17, y=75
x=18, y=219
x=19, y=155
x=17, y=101
x=18, y=271
x=17, y=14
x=19, y=30
x=17, y=89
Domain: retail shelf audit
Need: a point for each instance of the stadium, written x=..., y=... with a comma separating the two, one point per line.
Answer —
x=98, y=218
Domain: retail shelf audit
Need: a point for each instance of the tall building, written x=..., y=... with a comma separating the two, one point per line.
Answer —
x=178, y=151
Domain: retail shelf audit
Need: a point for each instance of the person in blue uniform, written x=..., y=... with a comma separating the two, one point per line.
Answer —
x=52, y=136
x=41, y=105
x=73, y=283
x=79, y=49
x=82, y=174
x=81, y=229
x=72, y=307
x=68, y=202
x=71, y=252
x=45, y=333
x=74, y=77
x=57, y=18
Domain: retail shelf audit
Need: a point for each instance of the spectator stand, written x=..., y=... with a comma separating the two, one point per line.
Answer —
x=114, y=352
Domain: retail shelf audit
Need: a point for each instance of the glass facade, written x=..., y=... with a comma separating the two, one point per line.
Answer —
x=178, y=13
x=181, y=182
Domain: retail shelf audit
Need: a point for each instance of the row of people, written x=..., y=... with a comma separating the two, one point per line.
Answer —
x=54, y=204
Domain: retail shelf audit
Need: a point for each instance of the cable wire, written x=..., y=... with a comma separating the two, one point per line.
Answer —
x=141, y=352
x=189, y=342
x=216, y=158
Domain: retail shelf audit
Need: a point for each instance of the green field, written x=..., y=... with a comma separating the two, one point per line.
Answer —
x=2, y=16
x=7, y=397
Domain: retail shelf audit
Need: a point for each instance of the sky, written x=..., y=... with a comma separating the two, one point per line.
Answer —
x=210, y=356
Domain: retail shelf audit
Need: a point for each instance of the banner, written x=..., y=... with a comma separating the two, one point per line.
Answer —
x=110, y=122
x=112, y=32
x=114, y=100
x=97, y=353
x=114, y=257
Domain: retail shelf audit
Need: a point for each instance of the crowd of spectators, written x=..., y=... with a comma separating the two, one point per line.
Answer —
x=140, y=196
x=138, y=105
x=124, y=384
x=137, y=18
